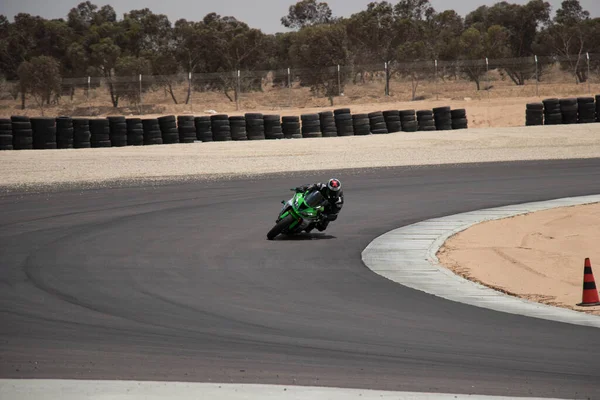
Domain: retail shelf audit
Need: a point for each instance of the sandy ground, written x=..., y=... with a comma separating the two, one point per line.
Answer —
x=20, y=169
x=538, y=256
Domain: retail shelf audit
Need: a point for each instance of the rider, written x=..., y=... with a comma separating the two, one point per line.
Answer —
x=333, y=192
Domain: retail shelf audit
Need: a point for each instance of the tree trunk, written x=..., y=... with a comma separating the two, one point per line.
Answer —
x=22, y=99
x=189, y=92
x=171, y=92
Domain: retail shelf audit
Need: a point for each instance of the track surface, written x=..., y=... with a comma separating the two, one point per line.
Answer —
x=178, y=282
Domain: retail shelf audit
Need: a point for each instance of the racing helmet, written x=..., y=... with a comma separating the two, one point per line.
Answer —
x=334, y=186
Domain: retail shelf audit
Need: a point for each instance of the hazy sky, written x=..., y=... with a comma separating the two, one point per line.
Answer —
x=263, y=14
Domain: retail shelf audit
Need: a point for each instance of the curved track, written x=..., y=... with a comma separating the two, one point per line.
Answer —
x=177, y=282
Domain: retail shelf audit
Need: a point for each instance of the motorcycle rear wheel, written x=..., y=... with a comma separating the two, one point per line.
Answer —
x=280, y=226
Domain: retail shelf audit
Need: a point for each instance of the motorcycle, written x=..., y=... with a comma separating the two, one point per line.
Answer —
x=301, y=213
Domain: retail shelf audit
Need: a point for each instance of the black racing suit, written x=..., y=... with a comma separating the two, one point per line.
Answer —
x=332, y=208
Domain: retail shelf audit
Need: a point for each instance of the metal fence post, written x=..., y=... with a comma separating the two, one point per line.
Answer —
x=487, y=75
x=588, y=73
x=437, y=92
x=289, y=76
x=141, y=104
x=237, y=91
x=190, y=91
x=339, y=79
x=537, y=78
x=387, y=81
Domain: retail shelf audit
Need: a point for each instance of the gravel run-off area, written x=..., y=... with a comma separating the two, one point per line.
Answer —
x=21, y=170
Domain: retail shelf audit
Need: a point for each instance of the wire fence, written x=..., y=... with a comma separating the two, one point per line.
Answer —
x=278, y=89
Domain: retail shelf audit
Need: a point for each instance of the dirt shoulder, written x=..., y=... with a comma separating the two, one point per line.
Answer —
x=538, y=256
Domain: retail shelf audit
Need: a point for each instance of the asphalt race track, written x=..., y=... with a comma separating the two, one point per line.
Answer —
x=177, y=282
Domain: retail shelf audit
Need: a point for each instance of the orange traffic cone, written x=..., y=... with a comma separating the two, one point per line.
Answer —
x=590, y=293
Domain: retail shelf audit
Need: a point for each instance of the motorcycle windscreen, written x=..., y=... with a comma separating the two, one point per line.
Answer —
x=314, y=199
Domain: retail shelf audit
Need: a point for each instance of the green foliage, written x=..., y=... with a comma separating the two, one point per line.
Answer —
x=317, y=50
x=40, y=77
x=307, y=13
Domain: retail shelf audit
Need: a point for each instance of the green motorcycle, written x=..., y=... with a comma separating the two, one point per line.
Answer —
x=301, y=213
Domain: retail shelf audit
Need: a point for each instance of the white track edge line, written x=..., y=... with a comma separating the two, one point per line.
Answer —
x=30, y=389
x=396, y=255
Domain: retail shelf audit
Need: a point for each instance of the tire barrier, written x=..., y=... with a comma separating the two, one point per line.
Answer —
x=459, y=119
x=534, y=114
x=580, y=110
x=203, y=129
x=81, y=133
x=586, y=110
x=220, y=128
x=377, y=123
x=186, y=128
x=328, y=126
x=100, y=132
x=152, y=132
x=343, y=122
x=273, y=127
x=44, y=133
x=19, y=132
x=64, y=133
x=425, y=122
x=237, y=125
x=255, y=126
x=443, y=118
x=568, y=109
x=361, y=124
x=22, y=133
x=392, y=121
x=118, y=131
x=135, y=132
x=552, y=113
x=408, y=118
x=311, y=126
x=291, y=127
x=168, y=129
x=6, y=134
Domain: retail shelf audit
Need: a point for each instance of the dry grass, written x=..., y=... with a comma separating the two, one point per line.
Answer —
x=502, y=105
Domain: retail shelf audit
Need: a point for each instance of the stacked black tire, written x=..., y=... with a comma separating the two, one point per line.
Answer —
x=44, y=133
x=135, y=131
x=552, y=113
x=425, y=122
x=377, y=123
x=100, y=132
x=343, y=122
x=311, y=126
x=255, y=126
x=534, y=114
x=6, y=135
x=64, y=133
x=220, y=127
x=22, y=133
x=409, y=120
x=186, y=128
x=204, y=129
x=273, y=126
x=361, y=124
x=237, y=126
x=168, y=129
x=443, y=118
x=568, y=109
x=328, y=126
x=459, y=119
x=586, y=110
x=290, y=125
x=81, y=133
x=392, y=121
x=118, y=131
x=152, y=132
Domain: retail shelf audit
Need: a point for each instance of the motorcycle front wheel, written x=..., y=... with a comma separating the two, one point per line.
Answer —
x=280, y=226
